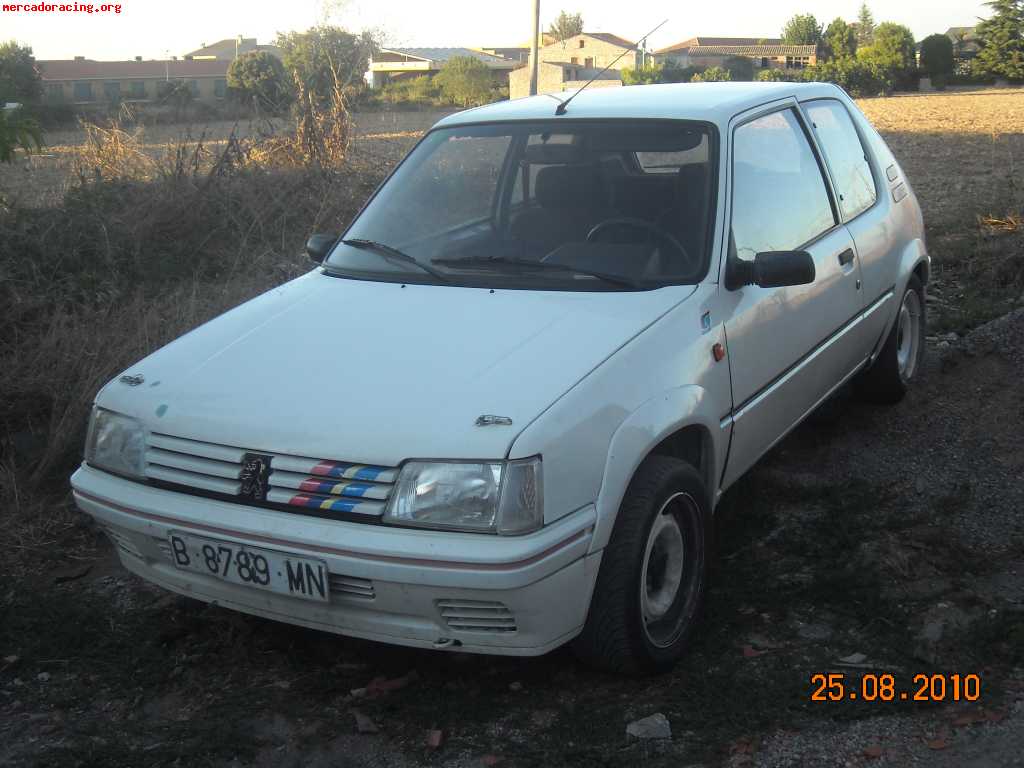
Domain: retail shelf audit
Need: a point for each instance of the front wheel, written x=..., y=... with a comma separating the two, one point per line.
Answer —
x=900, y=360
x=653, y=571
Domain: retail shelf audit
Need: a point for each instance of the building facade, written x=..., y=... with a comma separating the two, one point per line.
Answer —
x=82, y=81
x=565, y=65
x=764, y=53
x=390, y=64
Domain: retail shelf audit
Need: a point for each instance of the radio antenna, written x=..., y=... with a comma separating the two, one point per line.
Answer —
x=564, y=105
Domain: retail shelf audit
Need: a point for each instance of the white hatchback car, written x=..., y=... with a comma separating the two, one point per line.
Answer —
x=499, y=414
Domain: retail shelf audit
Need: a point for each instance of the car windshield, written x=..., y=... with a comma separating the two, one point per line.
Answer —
x=592, y=206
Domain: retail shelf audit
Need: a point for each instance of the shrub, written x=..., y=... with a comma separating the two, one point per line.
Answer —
x=713, y=75
x=649, y=75
x=411, y=91
x=740, y=68
x=771, y=76
x=937, y=56
x=856, y=77
x=465, y=81
x=259, y=79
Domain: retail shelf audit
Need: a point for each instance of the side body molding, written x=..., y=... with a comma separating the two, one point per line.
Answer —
x=642, y=431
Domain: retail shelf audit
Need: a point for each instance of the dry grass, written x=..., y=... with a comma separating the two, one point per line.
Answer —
x=963, y=151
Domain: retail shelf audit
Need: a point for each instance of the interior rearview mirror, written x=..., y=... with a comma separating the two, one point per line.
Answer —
x=771, y=269
x=318, y=246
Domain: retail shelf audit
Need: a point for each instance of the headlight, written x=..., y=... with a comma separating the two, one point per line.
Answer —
x=115, y=443
x=494, y=497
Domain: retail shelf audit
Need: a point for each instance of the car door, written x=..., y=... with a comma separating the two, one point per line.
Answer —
x=788, y=347
x=864, y=215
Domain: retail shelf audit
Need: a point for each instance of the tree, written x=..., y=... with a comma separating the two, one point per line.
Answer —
x=565, y=26
x=740, y=68
x=840, y=41
x=713, y=75
x=893, y=50
x=649, y=75
x=937, y=56
x=1002, y=39
x=465, y=81
x=259, y=78
x=19, y=79
x=17, y=130
x=865, y=26
x=802, y=29
x=323, y=58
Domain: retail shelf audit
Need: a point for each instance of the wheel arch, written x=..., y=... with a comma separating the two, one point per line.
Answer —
x=679, y=423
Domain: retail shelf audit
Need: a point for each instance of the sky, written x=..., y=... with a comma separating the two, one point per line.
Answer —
x=156, y=29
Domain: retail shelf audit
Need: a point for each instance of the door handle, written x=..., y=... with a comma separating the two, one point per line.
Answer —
x=846, y=257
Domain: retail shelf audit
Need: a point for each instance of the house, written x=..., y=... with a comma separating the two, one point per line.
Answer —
x=765, y=53
x=84, y=81
x=966, y=42
x=567, y=64
x=395, y=63
x=230, y=48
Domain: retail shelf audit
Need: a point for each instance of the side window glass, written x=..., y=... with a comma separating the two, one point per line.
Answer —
x=845, y=155
x=779, y=198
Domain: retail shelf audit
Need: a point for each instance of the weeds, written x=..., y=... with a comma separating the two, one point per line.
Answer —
x=140, y=249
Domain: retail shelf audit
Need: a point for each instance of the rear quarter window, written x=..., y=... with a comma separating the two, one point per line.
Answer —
x=845, y=155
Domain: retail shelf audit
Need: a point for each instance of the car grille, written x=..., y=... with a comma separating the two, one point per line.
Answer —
x=324, y=485
x=477, y=616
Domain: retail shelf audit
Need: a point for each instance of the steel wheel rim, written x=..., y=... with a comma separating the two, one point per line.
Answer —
x=908, y=334
x=664, y=591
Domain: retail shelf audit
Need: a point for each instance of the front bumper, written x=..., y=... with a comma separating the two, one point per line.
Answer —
x=388, y=584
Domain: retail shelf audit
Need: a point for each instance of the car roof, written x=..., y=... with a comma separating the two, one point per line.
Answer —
x=712, y=102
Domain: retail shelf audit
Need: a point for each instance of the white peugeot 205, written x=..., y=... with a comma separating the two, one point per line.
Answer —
x=499, y=413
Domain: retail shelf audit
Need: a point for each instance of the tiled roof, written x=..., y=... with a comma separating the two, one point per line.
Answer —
x=72, y=69
x=697, y=52
x=702, y=41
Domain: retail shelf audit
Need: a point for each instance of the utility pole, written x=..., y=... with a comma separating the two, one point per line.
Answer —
x=534, y=63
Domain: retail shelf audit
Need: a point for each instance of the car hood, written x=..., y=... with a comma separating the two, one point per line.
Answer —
x=376, y=372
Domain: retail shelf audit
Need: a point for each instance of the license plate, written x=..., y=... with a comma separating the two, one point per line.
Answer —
x=266, y=569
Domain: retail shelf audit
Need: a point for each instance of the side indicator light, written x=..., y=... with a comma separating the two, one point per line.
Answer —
x=719, y=352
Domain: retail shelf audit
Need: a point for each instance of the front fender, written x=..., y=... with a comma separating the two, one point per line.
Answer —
x=642, y=431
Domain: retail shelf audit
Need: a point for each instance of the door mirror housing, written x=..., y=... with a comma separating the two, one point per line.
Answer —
x=318, y=246
x=771, y=269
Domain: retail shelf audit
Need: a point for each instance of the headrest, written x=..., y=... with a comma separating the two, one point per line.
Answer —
x=568, y=186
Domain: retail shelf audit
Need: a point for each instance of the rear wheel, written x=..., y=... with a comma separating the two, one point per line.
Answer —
x=653, y=571
x=886, y=381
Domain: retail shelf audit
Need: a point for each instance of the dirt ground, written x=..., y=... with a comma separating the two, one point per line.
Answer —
x=871, y=541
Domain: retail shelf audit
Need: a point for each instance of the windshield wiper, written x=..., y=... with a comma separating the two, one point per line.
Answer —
x=485, y=260
x=388, y=252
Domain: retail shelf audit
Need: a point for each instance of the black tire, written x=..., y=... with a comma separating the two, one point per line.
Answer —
x=886, y=381
x=616, y=636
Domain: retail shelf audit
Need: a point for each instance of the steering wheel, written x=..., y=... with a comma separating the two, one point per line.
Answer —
x=649, y=227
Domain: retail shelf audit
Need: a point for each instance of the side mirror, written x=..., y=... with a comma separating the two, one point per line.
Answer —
x=318, y=246
x=771, y=269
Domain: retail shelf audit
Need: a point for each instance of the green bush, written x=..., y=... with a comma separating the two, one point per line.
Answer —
x=856, y=77
x=649, y=75
x=259, y=79
x=740, y=68
x=713, y=75
x=411, y=91
x=937, y=56
x=771, y=76
x=465, y=81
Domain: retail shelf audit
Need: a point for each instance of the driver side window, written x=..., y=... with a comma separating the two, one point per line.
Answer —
x=779, y=199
